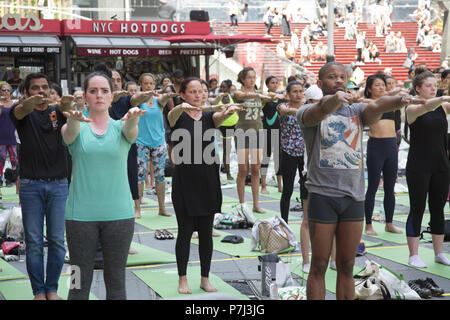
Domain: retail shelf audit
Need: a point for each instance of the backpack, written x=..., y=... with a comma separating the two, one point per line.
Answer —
x=446, y=231
x=226, y=221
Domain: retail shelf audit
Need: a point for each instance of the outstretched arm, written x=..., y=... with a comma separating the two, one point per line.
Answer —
x=71, y=129
x=375, y=109
x=130, y=125
x=416, y=110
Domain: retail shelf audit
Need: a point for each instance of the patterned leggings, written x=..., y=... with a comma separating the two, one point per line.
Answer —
x=158, y=157
x=4, y=150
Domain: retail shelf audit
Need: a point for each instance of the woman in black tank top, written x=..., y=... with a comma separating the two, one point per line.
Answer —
x=427, y=169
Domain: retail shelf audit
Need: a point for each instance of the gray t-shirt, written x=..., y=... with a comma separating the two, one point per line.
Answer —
x=335, y=155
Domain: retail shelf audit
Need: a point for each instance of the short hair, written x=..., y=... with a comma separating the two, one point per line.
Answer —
x=31, y=76
x=324, y=69
x=370, y=80
x=445, y=73
x=291, y=84
x=129, y=83
x=243, y=73
x=269, y=78
x=97, y=74
x=146, y=74
x=102, y=67
x=56, y=87
x=186, y=81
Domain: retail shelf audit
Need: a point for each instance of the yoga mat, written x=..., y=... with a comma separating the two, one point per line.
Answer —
x=21, y=289
x=152, y=220
x=388, y=236
x=330, y=275
x=242, y=249
x=9, y=272
x=425, y=220
x=400, y=254
x=147, y=255
x=9, y=194
x=273, y=192
x=165, y=283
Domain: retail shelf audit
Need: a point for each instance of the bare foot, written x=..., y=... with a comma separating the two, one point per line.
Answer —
x=183, y=286
x=390, y=228
x=53, y=296
x=143, y=202
x=264, y=190
x=258, y=210
x=40, y=296
x=369, y=230
x=164, y=213
x=132, y=251
x=137, y=214
x=206, y=285
x=215, y=234
x=230, y=178
x=195, y=235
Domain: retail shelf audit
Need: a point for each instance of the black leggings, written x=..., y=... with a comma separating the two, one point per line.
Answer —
x=186, y=226
x=271, y=144
x=289, y=165
x=382, y=156
x=421, y=184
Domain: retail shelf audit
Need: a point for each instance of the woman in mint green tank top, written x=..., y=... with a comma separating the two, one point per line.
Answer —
x=99, y=208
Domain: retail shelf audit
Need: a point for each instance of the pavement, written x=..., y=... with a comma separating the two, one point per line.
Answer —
x=242, y=273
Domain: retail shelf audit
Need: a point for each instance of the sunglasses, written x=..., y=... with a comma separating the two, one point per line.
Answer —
x=6, y=90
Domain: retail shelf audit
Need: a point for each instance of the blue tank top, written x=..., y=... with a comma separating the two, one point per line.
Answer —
x=151, y=126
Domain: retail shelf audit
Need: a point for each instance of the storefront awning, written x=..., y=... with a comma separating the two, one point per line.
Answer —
x=136, y=46
x=218, y=40
x=29, y=44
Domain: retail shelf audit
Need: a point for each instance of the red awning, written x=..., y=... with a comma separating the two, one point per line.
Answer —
x=222, y=40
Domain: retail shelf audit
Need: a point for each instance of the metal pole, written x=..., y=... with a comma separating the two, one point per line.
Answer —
x=330, y=21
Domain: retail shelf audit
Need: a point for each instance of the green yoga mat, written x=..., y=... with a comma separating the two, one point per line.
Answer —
x=426, y=218
x=165, y=283
x=400, y=254
x=147, y=255
x=388, y=236
x=330, y=275
x=9, y=272
x=9, y=194
x=152, y=220
x=21, y=289
x=273, y=193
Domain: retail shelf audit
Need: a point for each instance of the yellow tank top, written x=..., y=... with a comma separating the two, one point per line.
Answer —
x=231, y=120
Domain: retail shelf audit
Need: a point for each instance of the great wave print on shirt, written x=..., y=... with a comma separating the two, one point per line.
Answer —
x=340, y=144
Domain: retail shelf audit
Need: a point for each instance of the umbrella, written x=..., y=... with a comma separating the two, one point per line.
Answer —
x=222, y=40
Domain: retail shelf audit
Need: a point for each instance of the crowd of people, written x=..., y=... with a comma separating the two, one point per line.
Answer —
x=65, y=142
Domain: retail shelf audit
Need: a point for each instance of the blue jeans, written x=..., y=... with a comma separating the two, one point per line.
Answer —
x=41, y=199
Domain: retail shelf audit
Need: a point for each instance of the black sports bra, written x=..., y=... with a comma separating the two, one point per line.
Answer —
x=388, y=116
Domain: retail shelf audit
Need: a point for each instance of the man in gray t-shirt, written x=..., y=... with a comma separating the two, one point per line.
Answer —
x=332, y=130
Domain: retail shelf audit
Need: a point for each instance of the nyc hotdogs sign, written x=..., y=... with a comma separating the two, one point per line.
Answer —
x=15, y=23
x=133, y=28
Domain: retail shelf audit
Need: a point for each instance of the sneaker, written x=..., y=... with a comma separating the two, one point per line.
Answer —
x=424, y=293
x=297, y=207
x=306, y=268
x=432, y=286
x=361, y=249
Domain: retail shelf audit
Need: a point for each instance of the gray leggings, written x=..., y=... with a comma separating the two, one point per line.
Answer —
x=115, y=239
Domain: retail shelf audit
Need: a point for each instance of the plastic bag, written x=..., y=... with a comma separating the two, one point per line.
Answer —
x=4, y=219
x=283, y=276
x=292, y=293
x=15, y=226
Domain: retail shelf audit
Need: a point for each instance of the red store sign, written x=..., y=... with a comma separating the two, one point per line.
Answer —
x=143, y=52
x=133, y=28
